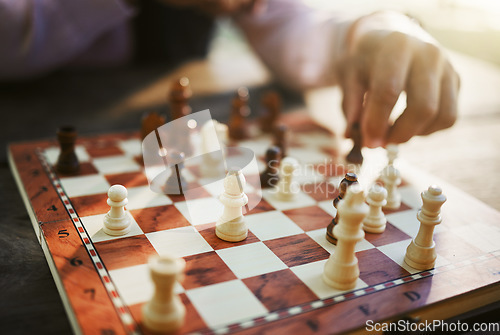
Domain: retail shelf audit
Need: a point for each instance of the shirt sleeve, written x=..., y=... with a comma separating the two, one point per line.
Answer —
x=37, y=36
x=299, y=44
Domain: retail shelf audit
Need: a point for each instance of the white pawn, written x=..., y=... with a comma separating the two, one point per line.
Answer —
x=117, y=220
x=286, y=191
x=342, y=270
x=165, y=311
x=392, y=153
x=421, y=253
x=392, y=179
x=231, y=226
x=375, y=221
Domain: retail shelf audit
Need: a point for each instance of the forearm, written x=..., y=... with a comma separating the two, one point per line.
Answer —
x=39, y=35
x=300, y=45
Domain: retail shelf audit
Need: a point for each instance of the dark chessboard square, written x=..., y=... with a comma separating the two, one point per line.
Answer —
x=262, y=206
x=205, y=269
x=194, y=191
x=309, y=218
x=103, y=151
x=297, y=249
x=125, y=252
x=91, y=204
x=279, y=289
x=390, y=235
x=208, y=233
x=401, y=208
x=321, y=191
x=375, y=267
x=159, y=218
x=193, y=320
x=128, y=179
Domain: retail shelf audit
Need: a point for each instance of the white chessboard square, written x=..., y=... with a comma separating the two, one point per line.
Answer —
x=300, y=200
x=410, y=196
x=116, y=164
x=251, y=260
x=327, y=206
x=271, y=225
x=319, y=235
x=397, y=251
x=225, y=303
x=258, y=146
x=308, y=155
x=200, y=211
x=85, y=185
x=93, y=224
x=134, y=284
x=132, y=147
x=407, y=222
x=143, y=197
x=52, y=154
x=180, y=242
x=311, y=275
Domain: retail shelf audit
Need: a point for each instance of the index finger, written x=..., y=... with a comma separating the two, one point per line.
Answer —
x=387, y=80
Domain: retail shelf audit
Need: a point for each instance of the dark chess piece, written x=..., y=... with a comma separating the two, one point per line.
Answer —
x=67, y=162
x=150, y=122
x=270, y=176
x=175, y=184
x=355, y=156
x=238, y=123
x=179, y=96
x=272, y=111
x=282, y=138
x=349, y=180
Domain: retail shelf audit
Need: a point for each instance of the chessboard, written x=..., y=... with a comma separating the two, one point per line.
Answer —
x=270, y=282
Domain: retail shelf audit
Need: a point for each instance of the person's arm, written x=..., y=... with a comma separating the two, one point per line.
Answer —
x=373, y=58
x=37, y=36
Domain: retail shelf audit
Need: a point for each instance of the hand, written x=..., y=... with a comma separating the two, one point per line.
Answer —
x=387, y=53
x=220, y=7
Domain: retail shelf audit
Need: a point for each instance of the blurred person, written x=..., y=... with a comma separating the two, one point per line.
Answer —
x=373, y=58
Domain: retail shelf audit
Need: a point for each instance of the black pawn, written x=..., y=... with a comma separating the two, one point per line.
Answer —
x=282, y=138
x=270, y=176
x=355, y=156
x=349, y=179
x=175, y=184
x=67, y=162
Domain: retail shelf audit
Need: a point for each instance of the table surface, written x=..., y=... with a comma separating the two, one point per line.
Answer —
x=466, y=155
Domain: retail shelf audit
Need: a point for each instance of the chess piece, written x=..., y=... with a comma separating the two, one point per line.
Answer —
x=355, y=156
x=238, y=124
x=272, y=110
x=287, y=190
x=231, y=226
x=117, y=220
x=165, y=312
x=282, y=138
x=213, y=137
x=375, y=221
x=421, y=253
x=67, y=162
x=150, y=122
x=341, y=270
x=349, y=180
x=392, y=179
x=179, y=95
x=270, y=176
x=175, y=184
x=392, y=153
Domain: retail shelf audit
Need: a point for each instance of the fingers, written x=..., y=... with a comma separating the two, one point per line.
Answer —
x=447, y=114
x=387, y=80
x=353, y=93
x=423, y=95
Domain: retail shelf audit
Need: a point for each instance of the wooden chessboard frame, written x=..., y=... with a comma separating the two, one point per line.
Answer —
x=94, y=305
